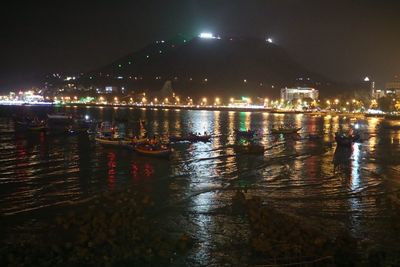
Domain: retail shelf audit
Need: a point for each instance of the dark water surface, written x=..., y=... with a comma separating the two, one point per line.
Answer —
x=295, y=174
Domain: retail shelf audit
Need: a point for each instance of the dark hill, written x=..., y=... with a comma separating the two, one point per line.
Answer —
x=227, y=66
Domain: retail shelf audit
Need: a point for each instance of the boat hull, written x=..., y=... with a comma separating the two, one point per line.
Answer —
x=285, y=131
x=113, y=142
x=203, y=138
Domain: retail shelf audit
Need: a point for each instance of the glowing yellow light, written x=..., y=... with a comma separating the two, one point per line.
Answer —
x=204, y=100
x=155, y=99
x=115, y=98
x=144, y=100
x=231, y=100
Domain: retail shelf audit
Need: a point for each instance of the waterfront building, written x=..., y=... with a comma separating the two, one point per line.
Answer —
x=288, y=94
x=392, y=88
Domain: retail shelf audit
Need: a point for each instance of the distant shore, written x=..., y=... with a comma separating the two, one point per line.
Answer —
x=218, y=108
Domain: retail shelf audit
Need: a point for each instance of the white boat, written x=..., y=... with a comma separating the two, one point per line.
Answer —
x=59, y=116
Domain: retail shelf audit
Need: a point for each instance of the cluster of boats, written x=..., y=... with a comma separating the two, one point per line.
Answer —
x=107, y=134
x=57, y=122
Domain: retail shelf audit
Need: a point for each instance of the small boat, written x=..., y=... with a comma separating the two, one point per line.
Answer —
x=252, y=149
x=285, y=130
x=37, y=128
x=154, y=151
x=245, y=134
x=346, y=140
x=190, y=138
x=113, y=141
x=32, y=124
x=59, y=116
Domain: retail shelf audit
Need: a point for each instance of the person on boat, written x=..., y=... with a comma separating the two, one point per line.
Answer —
x=153, y=141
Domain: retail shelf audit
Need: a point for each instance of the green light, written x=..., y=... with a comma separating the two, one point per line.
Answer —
x=86, y=99
x=245, y=98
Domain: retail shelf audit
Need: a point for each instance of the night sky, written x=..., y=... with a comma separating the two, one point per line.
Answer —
x=343, y=40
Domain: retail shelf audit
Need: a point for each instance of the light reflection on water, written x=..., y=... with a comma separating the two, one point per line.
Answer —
x=295, y=174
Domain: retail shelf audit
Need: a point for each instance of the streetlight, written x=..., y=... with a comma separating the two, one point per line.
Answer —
x=217, y=101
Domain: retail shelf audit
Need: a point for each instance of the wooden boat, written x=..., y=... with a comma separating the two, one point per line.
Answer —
x=37, y=128
x=153, y=151
x=32, y=125
x=190, y=138
x=283, y=130
x=245, y=134
x=249, y=149
x=113, y=141
x=59, y=116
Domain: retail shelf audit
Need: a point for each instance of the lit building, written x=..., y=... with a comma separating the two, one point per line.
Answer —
x=392, y=88
x=110, y=89
x=288, y=94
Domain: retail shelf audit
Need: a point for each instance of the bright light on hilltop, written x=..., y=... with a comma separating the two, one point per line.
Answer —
x=206, y=35
x=366, y=79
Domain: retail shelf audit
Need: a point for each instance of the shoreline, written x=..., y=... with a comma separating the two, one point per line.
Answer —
x=210, y=108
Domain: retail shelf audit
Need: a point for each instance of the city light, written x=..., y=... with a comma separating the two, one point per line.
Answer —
x=206, y=35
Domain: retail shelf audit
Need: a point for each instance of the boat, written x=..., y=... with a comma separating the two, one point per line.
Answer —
x=37, y=127
x=190, y=138
x=346, y=140
x=162, y=151
x=32, y=124
x=245, y=134
x=59, y=116
x=285, y=130
x=114, y=141
x=253, y=149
